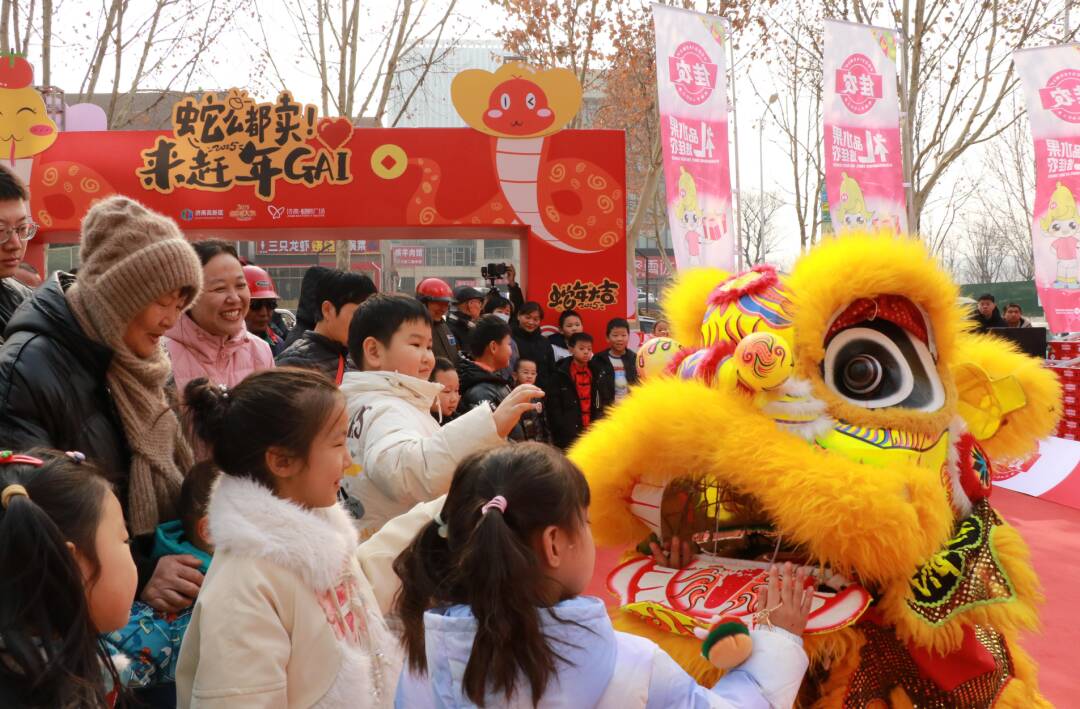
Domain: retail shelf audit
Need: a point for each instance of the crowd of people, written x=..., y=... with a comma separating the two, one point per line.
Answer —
x=987, y=315
x=201, y=508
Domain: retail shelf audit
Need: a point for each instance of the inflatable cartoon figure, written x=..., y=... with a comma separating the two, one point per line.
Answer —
x=25, y=126
x=520, y=107
x=842, y=417
x=1062, y=224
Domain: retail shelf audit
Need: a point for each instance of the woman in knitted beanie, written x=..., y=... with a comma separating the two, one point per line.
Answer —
x=83, y=369
x=212, y=340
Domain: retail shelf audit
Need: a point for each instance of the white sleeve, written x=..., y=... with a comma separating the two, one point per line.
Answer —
x=769, y=679
x=377, y=554
x=411, y=466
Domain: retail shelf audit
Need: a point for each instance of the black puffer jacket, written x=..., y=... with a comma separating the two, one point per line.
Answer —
x=12, y=295
x=480, y=387
x=52, y=385
x=563, y=406
x=308, y=304
x=461, y=325
x=315, y=351
x=535, y=347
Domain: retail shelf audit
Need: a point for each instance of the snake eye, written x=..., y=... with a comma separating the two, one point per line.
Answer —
x=877, y=364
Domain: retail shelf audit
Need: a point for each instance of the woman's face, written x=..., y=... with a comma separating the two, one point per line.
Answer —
x=145, y=330
x=224, y=302
x=530, y=321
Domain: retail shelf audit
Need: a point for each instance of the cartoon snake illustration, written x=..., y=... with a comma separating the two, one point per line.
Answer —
x=569, y=203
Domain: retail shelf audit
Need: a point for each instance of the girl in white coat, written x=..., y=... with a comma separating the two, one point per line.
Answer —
x=492, y=617
x=287, y=615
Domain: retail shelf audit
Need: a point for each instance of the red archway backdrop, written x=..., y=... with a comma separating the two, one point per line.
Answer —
x=436, y=182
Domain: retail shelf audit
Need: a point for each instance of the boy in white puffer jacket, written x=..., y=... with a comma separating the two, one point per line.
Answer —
x=401, y=456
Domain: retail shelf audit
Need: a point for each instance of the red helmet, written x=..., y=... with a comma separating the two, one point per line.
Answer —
x=259, y=283
x=434, y=290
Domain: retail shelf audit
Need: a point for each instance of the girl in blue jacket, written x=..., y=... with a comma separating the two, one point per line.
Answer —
x=492, y=615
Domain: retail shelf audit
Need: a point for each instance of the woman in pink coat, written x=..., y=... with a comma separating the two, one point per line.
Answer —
x=211, y=340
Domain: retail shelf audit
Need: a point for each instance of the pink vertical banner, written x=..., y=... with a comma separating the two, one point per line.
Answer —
x=1050, y=77
x=692, y=85
x=864, y=174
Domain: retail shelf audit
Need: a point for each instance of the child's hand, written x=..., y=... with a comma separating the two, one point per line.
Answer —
x=509, y=412
x=673, y=555
x=786, y=603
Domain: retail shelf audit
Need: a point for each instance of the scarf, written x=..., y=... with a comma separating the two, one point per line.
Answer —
x=159, y=453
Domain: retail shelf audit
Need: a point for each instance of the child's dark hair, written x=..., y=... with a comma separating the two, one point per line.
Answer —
x=566, y=315
x=523, y=360
x=616, y=323
x=579, y=337
x=489, y=328
x=195, y=495
x=486, y=561
x=380, y=317
x=341, y=287
x=442, y=364
x=494, y=302
x=531, y=306
x=53, y=657
x=283, y=407
x=209, y=248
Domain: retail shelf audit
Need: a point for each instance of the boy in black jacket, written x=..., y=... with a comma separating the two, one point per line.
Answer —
x=578, y=392
x=489, y=352
x=619, y=360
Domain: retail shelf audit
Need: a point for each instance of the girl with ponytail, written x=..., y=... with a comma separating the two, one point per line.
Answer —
x=66, y=575
x=491, y=613
x=291, y=611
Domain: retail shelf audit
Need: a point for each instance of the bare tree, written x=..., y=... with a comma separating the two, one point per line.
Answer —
x=1006, y=198
x=760, y=211
x=981, y=253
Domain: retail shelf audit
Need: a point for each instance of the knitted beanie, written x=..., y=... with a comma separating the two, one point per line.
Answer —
x=130, y=257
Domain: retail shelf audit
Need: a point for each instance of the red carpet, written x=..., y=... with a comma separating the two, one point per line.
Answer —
x=1053, y=533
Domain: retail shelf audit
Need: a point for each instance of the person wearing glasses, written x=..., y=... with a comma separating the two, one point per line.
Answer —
x=16, y=230
x=262, y=318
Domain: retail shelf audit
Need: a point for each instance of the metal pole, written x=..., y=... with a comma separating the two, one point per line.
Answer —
x=1065, y=29
x=735, y=135
x=905, y=124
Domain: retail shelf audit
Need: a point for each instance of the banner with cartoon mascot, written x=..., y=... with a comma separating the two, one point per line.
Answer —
x=863, y=160
x=691, y=80
x=1051, y=80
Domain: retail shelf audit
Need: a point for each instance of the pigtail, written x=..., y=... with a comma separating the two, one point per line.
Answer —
x=504, y=589
x=424, y=569
x=207, y=404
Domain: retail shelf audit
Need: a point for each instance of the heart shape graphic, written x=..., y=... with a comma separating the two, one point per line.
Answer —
x=334, y=132
x=275, y=212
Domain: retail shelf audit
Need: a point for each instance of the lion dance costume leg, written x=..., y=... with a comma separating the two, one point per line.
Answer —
x=842, y=417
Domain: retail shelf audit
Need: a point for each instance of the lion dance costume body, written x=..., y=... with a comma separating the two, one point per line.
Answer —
x=842, y=417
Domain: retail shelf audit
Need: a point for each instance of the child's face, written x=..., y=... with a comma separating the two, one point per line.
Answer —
x=448, y=398
x=571, y=325
x=618, y=338
x=110, y=594
x=409, y=351
x=662, y=329
x=582, y=352
x=315, y=482
x=503, y=352
x=526, y=372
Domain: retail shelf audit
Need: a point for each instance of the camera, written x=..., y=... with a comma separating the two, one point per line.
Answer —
x=493, y=271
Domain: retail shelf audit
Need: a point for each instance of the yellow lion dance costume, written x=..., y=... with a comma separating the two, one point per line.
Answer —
x=843, y=417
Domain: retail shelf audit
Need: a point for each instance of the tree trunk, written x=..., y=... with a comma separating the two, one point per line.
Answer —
x=46, y=42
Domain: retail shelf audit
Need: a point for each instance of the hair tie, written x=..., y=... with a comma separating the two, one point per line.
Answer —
x=13, y=490
x=444, y=528
x=224, y=391
x=497, y=503
x=9, y=458
x=77, y=457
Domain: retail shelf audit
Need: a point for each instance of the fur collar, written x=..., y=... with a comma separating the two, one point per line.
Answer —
x=247, y=519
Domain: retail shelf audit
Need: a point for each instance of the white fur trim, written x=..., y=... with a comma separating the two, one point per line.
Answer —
x=247, y=519
x=356, y=683
x=960, y=500
x=798, y=402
